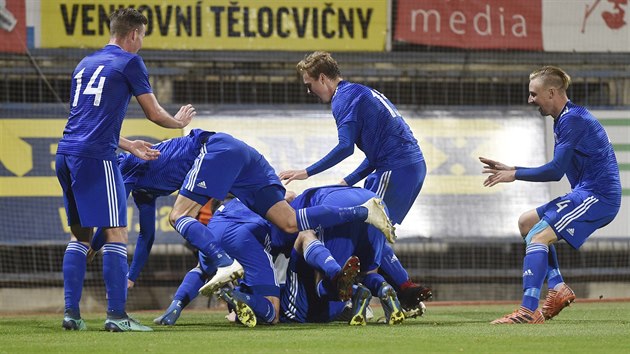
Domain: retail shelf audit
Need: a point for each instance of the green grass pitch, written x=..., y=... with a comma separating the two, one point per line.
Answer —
x=589, y=327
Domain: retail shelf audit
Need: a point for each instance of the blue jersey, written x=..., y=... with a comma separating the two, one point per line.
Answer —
x=380, y=131
x=102, y=86
x=583, y=153
x=594, y=165
x=166, y=174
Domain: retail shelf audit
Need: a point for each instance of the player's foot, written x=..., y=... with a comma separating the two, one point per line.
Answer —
x=378, y=217
x=522, y=315
x=412, y=296
x=238, y=301
x=171, y=315
x=223, y=276
x=418, y=311
x=73, y=324
x=360, y=301
x=557, y=300
x=126, y=324
x=346, y=277
x=391, y=306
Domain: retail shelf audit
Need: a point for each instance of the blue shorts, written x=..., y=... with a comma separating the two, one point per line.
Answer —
x=575, y=216
x=226, y=164
x=398, y=188
x=246, y=243
x=299, y=301
x=93, y=191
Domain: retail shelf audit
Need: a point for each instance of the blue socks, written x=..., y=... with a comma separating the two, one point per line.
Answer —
x=326, y=216
x=534, y=273
x=73, y=275
x=320, y=258
x=201, y=238
x=189, y=288
x=390, y=265
x=553, y=270
x=373, y=281
x=115, y=270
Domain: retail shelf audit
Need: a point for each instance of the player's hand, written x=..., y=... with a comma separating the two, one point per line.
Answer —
x=130, y=284
x=185, y=114
x=343, y=182
x=292, y=175
x=498, y=176
x=494, y=165
x=143, y=150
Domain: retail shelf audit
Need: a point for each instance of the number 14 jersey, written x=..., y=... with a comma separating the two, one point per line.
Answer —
x=102, y=85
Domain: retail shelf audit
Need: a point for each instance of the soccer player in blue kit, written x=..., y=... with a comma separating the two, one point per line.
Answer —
x=394, y=164
x=582, y=152
x=93, y=190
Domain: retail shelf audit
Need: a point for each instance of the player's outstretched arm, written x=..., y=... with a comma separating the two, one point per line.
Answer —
x=159, y=116
x=139, y=148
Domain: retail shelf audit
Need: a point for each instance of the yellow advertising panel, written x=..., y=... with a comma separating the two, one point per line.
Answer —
x=28, y=148
x=224, y=25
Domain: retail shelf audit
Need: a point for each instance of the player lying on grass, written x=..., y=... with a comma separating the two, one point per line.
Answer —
x=583, y=152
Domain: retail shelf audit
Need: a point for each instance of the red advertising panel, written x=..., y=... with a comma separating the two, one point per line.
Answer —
x=477, y=24
x=12, y=26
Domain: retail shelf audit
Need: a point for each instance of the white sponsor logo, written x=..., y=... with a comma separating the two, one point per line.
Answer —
x=202, y=184
x=571, y=231
x=527, y=272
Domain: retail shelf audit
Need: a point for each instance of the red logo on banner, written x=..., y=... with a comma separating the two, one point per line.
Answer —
x=12, y=26
x=482, y=24
x=614, y=19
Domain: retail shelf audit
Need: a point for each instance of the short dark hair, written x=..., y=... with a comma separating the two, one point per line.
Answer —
x=123, y=21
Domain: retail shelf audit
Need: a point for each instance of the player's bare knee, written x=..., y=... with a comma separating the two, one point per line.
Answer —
x=283, y=216
x=540, y=233
x=304, y=239
x=116, y=234
x=523, y=227
x=174, y=215
x=527, y=221
x=286, y=224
